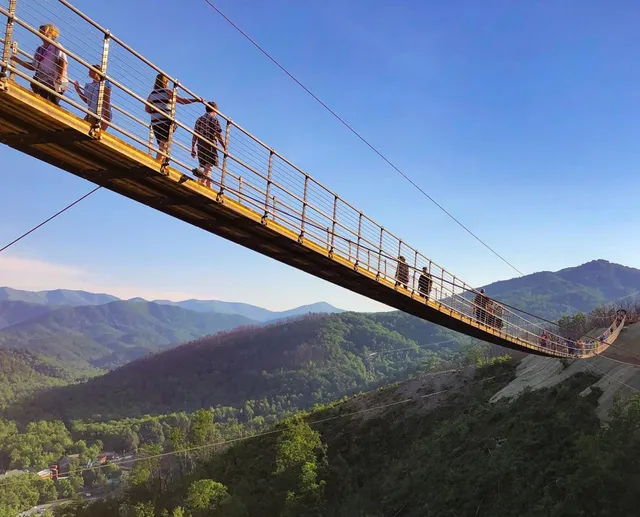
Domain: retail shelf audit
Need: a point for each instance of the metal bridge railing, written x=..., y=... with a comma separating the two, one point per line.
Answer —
x=248, y=170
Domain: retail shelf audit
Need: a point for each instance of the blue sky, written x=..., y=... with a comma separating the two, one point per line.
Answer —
x=520, y=118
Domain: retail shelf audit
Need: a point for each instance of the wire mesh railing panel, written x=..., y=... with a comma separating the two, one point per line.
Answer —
x=46, y=42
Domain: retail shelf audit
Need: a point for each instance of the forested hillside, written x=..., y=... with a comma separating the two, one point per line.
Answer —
x=111, y=334
x=290, y=365
x=88, y=328
x=450, y=454
x=571, y=290
x=14, y=312
x=24, y=373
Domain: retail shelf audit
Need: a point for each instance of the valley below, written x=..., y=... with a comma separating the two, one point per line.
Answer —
x=226, y=409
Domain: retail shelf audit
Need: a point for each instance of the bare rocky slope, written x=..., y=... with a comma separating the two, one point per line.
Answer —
x=619, y=368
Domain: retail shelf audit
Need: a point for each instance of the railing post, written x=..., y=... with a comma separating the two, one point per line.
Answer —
x=359, y=237
x=453, y=290
x=240, y=189
x=12, y=59
x=150, y=140
x=333, y=224
x=172, y=128
x=274, y=208
x=304, y=207
x=97, y=126
x=268, y=189
x=8, y=38
x=227, y=135
x=380, y=249
x=415, y=270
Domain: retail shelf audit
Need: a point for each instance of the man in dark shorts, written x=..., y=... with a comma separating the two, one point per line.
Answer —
x=207, y=132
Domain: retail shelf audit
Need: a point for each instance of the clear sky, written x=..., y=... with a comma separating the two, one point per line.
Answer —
x=521, y=118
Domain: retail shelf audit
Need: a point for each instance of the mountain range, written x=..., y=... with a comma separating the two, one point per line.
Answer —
x=296, y=363
x=111, y=334
x=575, y=289
x=103, y=331
x=66, y=297
x=100, y=330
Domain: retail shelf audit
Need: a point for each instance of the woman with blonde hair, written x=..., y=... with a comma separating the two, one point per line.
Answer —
x=50, y=66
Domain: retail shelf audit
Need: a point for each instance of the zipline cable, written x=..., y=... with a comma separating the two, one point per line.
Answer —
x=605, y=374
x=6, y=246
x=280, y=430
x=364, y=140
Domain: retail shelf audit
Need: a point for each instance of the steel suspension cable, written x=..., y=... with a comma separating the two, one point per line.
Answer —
x=60, y=212
x=363, y=139
x=381, y=253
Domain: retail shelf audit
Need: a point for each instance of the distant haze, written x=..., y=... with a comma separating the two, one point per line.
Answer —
x=75, y=298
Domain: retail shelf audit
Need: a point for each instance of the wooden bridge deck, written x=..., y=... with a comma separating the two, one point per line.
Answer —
x=56, y=136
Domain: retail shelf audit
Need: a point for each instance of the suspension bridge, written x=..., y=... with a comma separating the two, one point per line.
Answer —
x=256, y=198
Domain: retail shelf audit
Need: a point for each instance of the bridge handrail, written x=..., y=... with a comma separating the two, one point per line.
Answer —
x=451, y=293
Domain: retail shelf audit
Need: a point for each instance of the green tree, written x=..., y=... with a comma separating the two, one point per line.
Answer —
x=101, y=481
x=298, y=450
x=65, y=489
x=201, y=426
x=129, y=441
x=206, y=494
x=77, y=481
x=143, y=510
x=47, y=490
x=151, y=433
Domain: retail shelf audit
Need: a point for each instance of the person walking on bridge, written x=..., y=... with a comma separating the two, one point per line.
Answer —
x=402, y=272
x=160, y=98
x=50, y=66
x=480, y=302
x=207, y=134
x=424, y=283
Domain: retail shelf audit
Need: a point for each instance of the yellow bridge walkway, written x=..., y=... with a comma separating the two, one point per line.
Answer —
x=258, y=198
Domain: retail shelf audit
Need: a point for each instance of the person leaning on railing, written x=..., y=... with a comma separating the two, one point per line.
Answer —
x=160, y=98
x=89, y=95
x=50, y=66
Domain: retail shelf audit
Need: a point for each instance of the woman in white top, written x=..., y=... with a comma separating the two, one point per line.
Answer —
x=160, y=98
x=89, y=94
x=50, y=66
